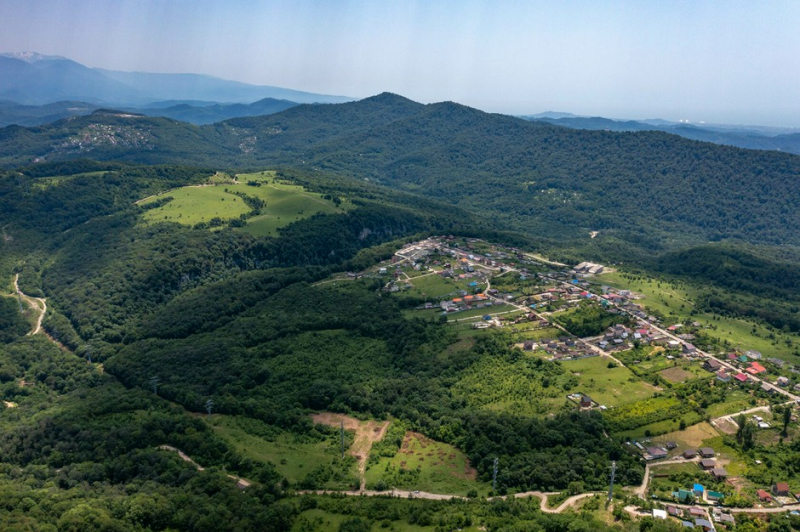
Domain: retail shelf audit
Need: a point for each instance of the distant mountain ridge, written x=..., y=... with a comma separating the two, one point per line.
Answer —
x=30, y=78
x=194, y=112
x=751, y=137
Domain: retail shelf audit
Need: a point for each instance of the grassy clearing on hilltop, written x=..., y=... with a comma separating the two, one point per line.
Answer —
x=284, y=203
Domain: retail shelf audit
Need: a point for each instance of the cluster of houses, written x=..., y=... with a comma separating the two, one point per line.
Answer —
x=695, y=517
x=621, y=337
x=563, y=348
x=779, y=493
x=749, y=365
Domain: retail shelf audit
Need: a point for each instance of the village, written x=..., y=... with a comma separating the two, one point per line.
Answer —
x=567, y=314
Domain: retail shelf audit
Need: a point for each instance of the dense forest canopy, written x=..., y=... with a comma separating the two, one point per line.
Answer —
x=651, y=189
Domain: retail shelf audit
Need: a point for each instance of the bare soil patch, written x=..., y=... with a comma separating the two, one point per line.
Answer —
x=676, y=374
x=726, y=425
x=367, y=433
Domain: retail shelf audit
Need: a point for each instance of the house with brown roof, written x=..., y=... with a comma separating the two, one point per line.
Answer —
x=707, y=452
x=781, y=489
x=708, y=463
x=719, y=473
x=712, y=364
x=764, y=496
x=689, y=453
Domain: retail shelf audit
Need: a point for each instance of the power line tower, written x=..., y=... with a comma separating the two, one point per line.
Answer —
x=154, y=382
x=209, y=406
x=611, y=485
x=341, y=433
x=494, y=475
x=88, y=350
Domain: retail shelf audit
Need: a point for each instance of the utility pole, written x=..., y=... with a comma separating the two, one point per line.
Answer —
x=209, y=406
x=494, y=476
x=154, y=380
x=611, y=485
x=88, y=351
x=341, y=433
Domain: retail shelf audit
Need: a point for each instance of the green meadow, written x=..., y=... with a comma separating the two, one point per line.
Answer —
x=607, y=386
x=285, y=203
x=295, y=457
x=426, y=465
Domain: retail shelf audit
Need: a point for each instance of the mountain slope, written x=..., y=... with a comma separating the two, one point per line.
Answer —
x=651, y=190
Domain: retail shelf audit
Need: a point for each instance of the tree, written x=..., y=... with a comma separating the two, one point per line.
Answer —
x=787, y=417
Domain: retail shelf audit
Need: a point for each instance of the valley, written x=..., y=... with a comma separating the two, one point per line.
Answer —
x=236, y=320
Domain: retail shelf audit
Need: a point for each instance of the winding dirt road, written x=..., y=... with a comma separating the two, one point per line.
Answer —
x=38, y=304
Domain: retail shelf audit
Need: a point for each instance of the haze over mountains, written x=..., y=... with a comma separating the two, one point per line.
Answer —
x=34, y=79
x=36, y=89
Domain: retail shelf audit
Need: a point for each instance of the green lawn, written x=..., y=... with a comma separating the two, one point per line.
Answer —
x=284, y=204
x=659, y=427
x=426, y=465
x=608, y=386
x=293, y=457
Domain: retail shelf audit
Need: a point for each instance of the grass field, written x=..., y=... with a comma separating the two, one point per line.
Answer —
x=43, y=183
x=669, y=298
x=427, y=465
x=608, y=386
x=735, y=401
x=689, y=438
x=659, y=427
x=434, y=286
x=284, y=204
x=292, y=457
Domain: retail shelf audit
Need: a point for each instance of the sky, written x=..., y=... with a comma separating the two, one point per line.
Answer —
x=715, y=61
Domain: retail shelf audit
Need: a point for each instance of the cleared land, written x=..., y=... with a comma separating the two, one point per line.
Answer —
x=201, y=203
x=677, y=374
x=690, y=438
x=293, y=457
x=608, y=386
x=367, y=432
x=427, y=465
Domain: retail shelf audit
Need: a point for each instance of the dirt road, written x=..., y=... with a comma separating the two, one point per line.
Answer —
x=38, y=304
x=241, y=482
x=367, y=433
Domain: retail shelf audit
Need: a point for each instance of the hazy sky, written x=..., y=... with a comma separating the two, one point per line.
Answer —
x=714, y=61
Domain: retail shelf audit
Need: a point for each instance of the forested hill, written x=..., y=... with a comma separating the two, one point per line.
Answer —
x=655, y=190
